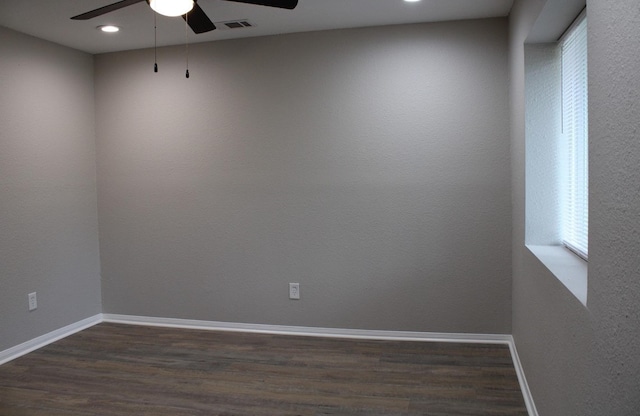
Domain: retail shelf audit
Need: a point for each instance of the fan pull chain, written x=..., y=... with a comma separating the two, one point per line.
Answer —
x=155, y=41
x=186, y=40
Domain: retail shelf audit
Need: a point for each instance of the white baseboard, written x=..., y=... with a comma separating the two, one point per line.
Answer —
x=524, y=386
x=309, y=331
x=46, y=339
x=39, y=342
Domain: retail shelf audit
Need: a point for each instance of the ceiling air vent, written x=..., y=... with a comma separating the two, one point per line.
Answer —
x=234, y=24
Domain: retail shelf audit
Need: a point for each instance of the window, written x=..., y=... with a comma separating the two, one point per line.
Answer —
x=574, y=161
x=556, y=151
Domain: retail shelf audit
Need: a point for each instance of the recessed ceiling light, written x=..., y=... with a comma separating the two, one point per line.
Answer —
x=412, y=1
x=109, y=28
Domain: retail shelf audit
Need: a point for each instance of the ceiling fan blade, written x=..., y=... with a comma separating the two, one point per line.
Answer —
x=106, y=9
x=283, y=4
x=198, y=20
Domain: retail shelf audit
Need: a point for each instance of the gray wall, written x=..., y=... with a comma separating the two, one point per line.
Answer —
x=48, y=213
x=614, y=201
x=370, y=165
x=543, y=100
x=586, y=360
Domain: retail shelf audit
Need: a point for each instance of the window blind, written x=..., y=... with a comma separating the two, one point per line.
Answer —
x=574, y=178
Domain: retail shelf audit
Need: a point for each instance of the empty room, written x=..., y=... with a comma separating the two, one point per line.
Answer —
x=320, y=207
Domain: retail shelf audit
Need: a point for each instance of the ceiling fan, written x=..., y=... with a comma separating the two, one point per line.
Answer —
x=196, y=18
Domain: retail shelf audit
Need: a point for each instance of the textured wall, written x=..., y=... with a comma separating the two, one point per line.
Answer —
x=370, y=165
x=543, y=127
x=48, y=213
x=614, y=201
x=585, y=361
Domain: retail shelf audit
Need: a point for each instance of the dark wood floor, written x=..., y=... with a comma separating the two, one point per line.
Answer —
x=114, y=369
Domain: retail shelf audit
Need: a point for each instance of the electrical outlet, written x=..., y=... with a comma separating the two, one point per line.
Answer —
x=294, y=290
x=33, y=301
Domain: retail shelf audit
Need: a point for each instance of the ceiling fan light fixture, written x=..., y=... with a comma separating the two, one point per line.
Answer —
x=171, y=8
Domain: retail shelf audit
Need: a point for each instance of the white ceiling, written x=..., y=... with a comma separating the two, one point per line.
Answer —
x=50, y=19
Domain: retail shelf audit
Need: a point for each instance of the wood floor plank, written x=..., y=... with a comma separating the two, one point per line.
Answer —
x=115, y=370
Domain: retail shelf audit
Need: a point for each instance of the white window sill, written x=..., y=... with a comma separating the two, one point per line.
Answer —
x=566, y=267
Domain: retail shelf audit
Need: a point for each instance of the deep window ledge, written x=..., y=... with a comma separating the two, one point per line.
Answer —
x=568, y=268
